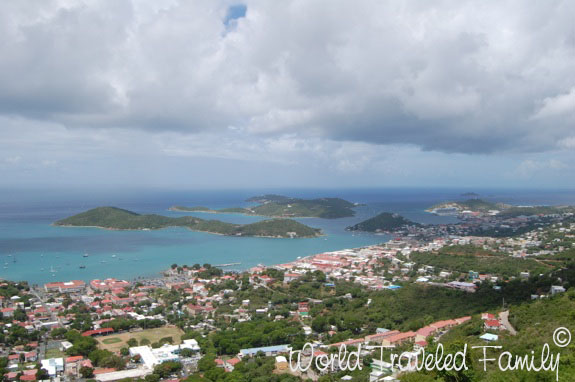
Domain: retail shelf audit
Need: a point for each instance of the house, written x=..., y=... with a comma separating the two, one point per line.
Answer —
x=398, y=339
x=467, y=287
x=424, y=332
x=7, y=312
x=97, y=332
x=378, y=337
x=556, y=289
x=231, y=363
x=487, y=316
x=31, y=356
x=289, y=277
x=53, y=366
x=492, y=325
x=73, y=286
x=489, y=337
x=267, y=350
x=281, y=363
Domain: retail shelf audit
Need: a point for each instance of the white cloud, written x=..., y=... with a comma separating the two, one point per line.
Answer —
x=557, y=106
x=454, y=78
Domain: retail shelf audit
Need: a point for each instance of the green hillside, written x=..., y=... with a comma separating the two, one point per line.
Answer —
x=278, y=206
x=467, y=258
x=117, y=218
x=385, y=221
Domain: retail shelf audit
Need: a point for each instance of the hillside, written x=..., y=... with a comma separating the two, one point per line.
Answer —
x=117, y=218
x=383, y=222
x=535, y=210
x=465, y=258
x=474, y=205
x=278, y=206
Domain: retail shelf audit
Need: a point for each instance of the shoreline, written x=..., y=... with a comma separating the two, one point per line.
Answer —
x=191, y=229
x=216, y=212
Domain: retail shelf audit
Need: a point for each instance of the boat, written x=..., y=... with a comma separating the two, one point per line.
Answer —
x=226, y=265
x=113, y=255
x=82, y=267
x=85, y=255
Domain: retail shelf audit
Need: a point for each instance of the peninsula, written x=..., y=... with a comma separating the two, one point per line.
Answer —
x=384, y=222
x=472, y=205
x=278, y=206
x=120, y=219
x=503, y=210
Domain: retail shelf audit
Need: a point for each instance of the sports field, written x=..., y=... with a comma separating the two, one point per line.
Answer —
x=116, y=342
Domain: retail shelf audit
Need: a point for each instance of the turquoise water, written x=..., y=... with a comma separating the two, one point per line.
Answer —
x=31, y=249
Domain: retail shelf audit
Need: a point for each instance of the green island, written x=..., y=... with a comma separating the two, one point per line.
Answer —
x=499, y=209
x=384, y=222
x=283, y=206
x=120, y=219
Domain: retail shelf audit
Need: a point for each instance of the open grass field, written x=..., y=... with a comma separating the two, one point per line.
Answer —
x=54, y=353
x=116, y=342
x=113, y=340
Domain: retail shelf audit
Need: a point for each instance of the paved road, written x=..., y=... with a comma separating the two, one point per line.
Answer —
x=504, y=317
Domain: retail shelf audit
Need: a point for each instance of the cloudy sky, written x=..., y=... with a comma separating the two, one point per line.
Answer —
x=211, y=93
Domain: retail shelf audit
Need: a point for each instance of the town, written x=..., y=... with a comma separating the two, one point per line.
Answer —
x=197, y=321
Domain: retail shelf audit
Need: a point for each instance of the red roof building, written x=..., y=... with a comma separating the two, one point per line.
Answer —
x=97, y=332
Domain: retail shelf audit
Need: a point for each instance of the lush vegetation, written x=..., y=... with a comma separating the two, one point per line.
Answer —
x=385, y=221
x=465, y=258
x=535, y=210
x=117, y=218
x=535, y=322
x=282, y=206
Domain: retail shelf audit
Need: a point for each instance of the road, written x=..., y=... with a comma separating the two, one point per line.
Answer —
x=504, y=317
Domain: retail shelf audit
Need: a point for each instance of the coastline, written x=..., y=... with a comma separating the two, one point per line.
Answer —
x=189, y=228
x=216, y=212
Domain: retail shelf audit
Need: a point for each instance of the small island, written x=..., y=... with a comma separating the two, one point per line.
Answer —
x=384, y=222
x=278, y=206
x=120, y=219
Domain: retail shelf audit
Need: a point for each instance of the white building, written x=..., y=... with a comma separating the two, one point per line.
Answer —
x=53, y=366
x=152, y=357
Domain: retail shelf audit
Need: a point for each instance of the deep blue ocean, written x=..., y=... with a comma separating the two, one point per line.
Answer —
x=32, y=249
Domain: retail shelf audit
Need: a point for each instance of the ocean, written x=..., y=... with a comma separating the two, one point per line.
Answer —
x=32, y=249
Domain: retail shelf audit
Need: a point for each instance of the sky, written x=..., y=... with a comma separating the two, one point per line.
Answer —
x=293, y=93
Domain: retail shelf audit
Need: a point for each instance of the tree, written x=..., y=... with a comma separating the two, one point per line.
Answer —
x=319, y=324
x=86, y=372
x=42, y=374
x=132, y=342
x=185, y=352
x=166, y=368
x=152, y=378
x=124, y=351
x=144, y=341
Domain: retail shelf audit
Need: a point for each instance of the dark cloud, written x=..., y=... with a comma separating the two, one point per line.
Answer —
x=462, y=77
